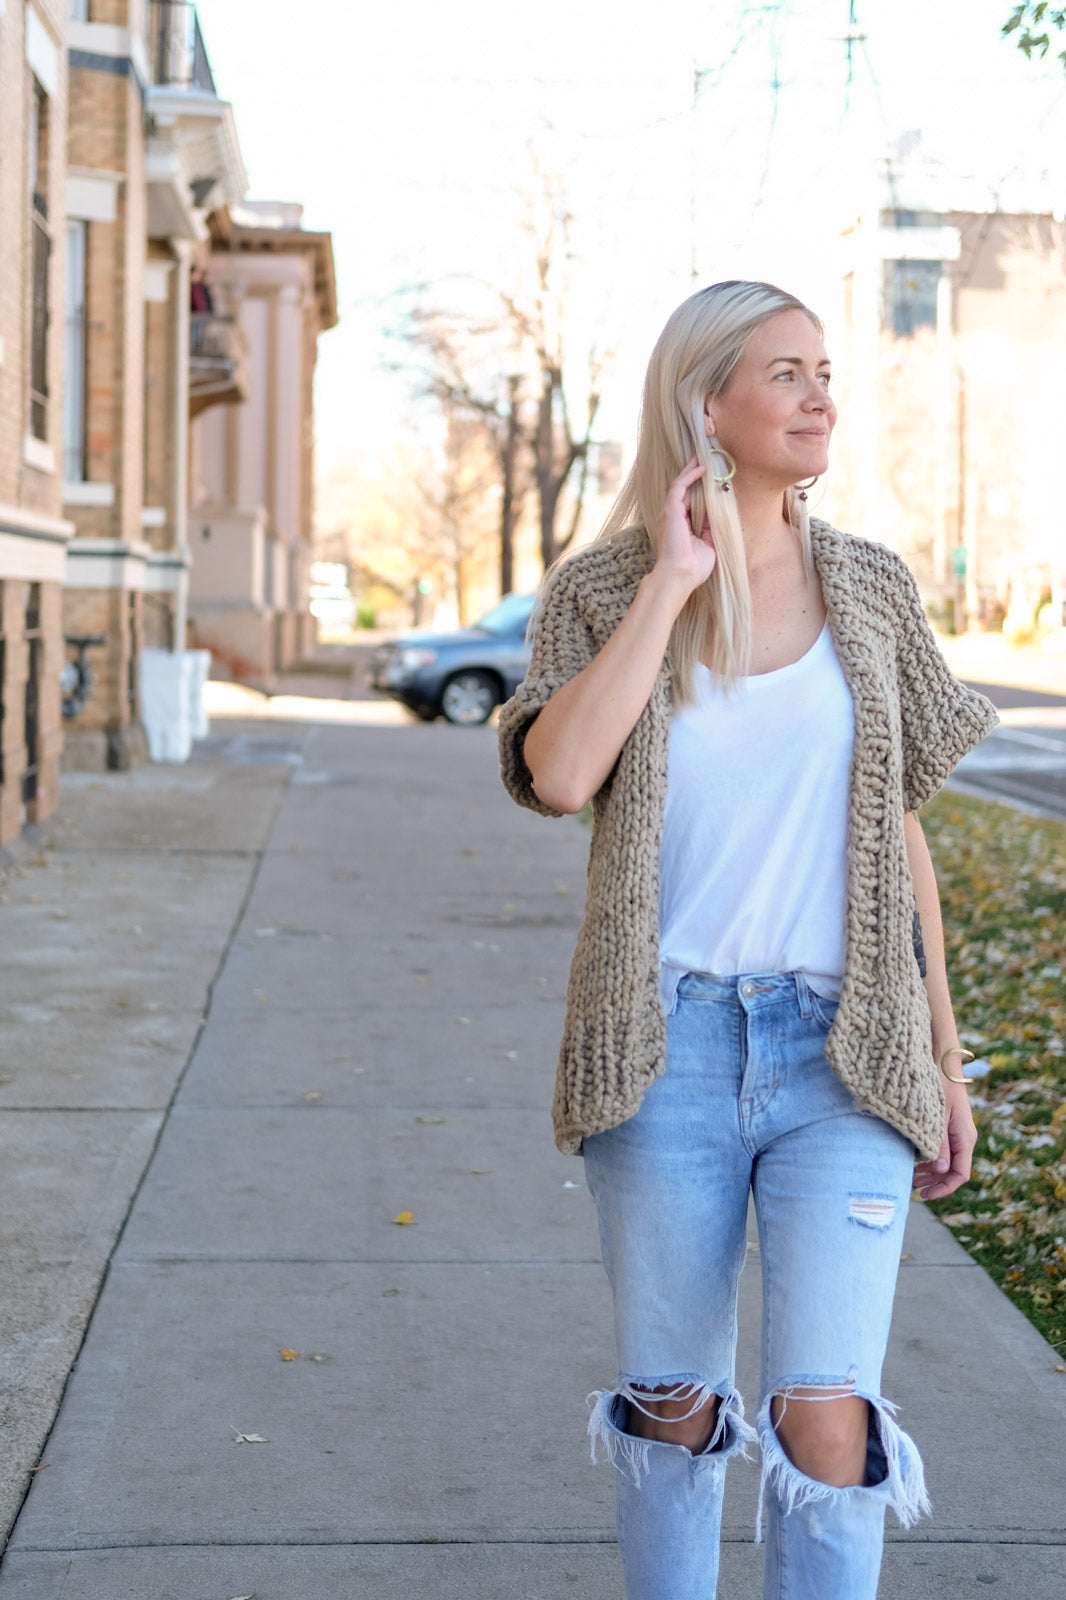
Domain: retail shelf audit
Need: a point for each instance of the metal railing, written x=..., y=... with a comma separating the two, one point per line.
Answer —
x=218, y=356
x=214, y=338
x=178, y=53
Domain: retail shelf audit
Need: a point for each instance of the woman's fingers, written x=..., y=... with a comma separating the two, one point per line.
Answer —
x=688, y=474
x=951, y=1168
x=680, y=549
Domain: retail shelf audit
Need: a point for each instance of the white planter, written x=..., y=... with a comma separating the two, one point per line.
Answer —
x=167, y=679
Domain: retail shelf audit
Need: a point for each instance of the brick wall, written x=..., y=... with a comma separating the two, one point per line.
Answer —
x=16, y=656
x=16, y=659
x=14, y=81
x=118, y=613
x=25, y=487
x=106, y=132
x=158, y=628
x=50, y=712
x=21, y=484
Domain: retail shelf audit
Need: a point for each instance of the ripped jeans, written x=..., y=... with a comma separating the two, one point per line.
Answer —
x=749, y=1103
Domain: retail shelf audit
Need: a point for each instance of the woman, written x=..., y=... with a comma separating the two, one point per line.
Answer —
x=756, y=708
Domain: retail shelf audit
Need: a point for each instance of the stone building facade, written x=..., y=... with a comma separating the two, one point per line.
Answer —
x=252, y=466
x=151, y=147
x=120, y=168
x=34, y=532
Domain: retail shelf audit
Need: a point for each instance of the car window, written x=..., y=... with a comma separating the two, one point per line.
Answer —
x=512, y=614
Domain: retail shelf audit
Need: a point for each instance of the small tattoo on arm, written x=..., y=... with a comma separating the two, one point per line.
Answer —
x=919, y=945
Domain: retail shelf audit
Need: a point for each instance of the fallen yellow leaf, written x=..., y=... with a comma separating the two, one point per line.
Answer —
x=405, y=1219
x=290, y=1355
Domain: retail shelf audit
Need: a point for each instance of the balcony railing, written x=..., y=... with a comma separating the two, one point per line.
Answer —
x=217, y=361
x=179, y=56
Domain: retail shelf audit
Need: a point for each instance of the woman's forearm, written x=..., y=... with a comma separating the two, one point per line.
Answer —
x=927, y=898
x=576, y=739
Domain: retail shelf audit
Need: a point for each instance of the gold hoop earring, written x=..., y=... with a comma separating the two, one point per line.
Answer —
x=717, y=450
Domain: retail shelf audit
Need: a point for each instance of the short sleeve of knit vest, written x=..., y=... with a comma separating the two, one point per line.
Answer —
x=941, y=719
x=563, y=645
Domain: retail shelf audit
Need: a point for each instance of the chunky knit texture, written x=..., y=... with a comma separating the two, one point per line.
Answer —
x=913, y=723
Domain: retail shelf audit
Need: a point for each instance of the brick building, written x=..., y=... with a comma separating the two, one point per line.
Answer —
x=33, y=531
x=119, y=180
x=151, y=147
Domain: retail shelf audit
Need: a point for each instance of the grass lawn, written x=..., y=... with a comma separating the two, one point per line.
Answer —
x=1002, y=882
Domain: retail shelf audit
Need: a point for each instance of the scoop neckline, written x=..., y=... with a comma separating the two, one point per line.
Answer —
x=779, y=672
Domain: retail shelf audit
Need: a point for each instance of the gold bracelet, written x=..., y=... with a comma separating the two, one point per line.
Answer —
x=957, y=1050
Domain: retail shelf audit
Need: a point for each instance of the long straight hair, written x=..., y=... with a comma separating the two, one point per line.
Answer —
x=693, y=361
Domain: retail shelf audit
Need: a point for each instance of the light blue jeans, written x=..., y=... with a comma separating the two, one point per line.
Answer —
x=748, y=1102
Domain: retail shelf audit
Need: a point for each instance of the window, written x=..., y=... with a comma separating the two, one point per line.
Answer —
x=910, y=296
x=74, y=355
x=78, y=10
x=41, y=259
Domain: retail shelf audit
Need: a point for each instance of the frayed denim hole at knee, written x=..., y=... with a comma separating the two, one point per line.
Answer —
x=629, y=1454
x=876, y=1211
x=892, y=1461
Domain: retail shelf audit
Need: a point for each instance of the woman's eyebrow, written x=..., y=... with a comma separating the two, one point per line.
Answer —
x=796, y=361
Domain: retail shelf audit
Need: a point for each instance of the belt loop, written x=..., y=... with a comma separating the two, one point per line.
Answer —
x=803, y=995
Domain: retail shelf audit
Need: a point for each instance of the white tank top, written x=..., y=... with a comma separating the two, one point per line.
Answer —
x=754, y=853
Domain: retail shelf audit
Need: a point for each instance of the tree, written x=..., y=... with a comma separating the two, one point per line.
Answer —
x=463, y=384
x=547, y=321
x=506, y=355
x=1024, y=19
x=418, y=522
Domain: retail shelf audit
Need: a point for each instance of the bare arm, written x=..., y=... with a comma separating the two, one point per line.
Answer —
x=934, y=1179
x=575, y=741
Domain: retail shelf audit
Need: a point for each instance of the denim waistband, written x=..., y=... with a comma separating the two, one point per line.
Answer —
x=746, y=989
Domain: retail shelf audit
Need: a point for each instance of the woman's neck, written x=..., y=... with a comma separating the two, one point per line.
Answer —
x=763, y=522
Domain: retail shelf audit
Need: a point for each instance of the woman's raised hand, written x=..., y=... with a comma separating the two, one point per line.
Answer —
x=683, y=552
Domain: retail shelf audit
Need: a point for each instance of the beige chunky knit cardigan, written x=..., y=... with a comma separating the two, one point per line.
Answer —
x=913, y=722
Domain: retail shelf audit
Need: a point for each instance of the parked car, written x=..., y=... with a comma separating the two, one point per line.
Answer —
x=460, y=675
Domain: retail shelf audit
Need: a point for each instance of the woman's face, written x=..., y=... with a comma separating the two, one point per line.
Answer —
x=776, y=414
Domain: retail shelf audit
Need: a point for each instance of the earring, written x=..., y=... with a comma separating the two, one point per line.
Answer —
x=803, y=513
x=726, y=460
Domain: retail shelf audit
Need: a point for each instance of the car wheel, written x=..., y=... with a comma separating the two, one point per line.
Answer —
x=469, y=697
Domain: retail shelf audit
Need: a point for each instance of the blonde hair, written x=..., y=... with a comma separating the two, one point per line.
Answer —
x=693, y=361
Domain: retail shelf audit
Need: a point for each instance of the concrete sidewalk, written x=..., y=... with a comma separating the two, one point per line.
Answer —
x=359, y=947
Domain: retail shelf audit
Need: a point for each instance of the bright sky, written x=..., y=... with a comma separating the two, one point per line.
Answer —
x=406, y=132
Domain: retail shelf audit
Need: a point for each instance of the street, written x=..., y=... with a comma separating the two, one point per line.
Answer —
x=1024, y=759
x=279, y=1065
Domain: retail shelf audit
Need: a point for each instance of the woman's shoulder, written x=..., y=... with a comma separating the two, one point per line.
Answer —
x=865, y=560
x=601, y=578
x=611, y=561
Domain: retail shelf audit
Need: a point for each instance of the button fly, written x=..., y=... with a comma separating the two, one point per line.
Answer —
x=747, y=990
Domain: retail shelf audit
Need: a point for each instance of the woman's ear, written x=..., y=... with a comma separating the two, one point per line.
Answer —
x=708, y=420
